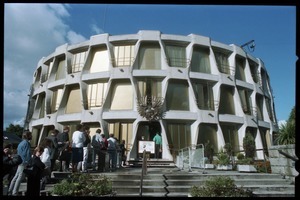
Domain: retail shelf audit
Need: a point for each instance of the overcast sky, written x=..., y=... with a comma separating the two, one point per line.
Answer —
x=33, y=31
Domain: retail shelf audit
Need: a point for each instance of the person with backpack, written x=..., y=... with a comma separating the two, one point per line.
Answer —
x=112, y=151
x=24, y=150
x=97, y=145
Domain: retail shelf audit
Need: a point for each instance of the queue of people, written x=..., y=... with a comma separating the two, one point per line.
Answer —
x=38, y=165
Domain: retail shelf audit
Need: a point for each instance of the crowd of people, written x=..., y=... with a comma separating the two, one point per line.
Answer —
x=79, y=150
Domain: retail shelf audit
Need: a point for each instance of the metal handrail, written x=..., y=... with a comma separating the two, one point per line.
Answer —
x=144, y=172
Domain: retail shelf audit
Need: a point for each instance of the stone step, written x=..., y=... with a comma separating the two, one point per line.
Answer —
x=171, y=182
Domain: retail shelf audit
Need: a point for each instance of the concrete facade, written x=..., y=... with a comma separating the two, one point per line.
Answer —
x=209, y=91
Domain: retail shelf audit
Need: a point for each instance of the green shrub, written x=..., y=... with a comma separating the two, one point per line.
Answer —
x=223, y=158
x=83, y=184
x=221, y=186
x=240, y=156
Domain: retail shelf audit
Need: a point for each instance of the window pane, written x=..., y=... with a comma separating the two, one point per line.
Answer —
x=200, y=60
x=150, y=56
x=176, y=56
x=56, y=98
x=240, y=66
x=74, y=102
x=226, y=100
x=176, y=101
x=124, y=55
x=96, y=94
x=78, y=62
x=122, y=97
x=100, y=61
x=60, y=73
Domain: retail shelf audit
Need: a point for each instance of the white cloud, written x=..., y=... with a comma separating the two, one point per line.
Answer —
x=31, y=31
x=74, y=38
x=95, y=29
x=281, y=122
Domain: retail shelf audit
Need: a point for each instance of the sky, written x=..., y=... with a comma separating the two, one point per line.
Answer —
x=33, y=31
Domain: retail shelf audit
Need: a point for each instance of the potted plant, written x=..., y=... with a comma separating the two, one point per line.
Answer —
x=223, y=161
x=245, y=163
x=208, y=154
x=84, y=184
x=229, y=151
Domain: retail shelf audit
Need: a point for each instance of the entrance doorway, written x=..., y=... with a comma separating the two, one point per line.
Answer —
x=146, y=132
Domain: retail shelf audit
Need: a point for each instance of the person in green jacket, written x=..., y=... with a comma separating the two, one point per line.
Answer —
x=158, y=142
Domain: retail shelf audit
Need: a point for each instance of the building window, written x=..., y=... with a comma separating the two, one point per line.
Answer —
x=78, y=61
x=226, y=100
x=200, y=60
x=149, y=87
x=38, y=75
x=254, y=71
x=176, y=56
x=208, y=133
x=149, y=56
x=240, y=69
x=259, y=107
x=230, y=134
x=74, y=102
x=55, y=101
x=177, y=97
x=95, y=95
x=122, y=96
x=269, y=108
x=122, y=131
x=124, y=56
x=50, y=66
x=61, y=72
x=179, y=136
x=222, y=62
x=204, y=95
x=39, y=111
x=245, y=100
x=100, y=62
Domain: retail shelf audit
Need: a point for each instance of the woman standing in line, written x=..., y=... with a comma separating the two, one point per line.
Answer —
x=45, y=158
x=78, y=139
x=34, y=175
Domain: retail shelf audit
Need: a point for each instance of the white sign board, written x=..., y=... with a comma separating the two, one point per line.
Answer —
x=146, y=145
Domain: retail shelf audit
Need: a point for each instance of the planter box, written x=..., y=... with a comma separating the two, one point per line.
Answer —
x=224, y=167
x=209, y=166
x=246, y=168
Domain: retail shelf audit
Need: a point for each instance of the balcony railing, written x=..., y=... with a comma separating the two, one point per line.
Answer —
x=122, y=61
x=93, y=103
x=226, y=69
x=178, y=62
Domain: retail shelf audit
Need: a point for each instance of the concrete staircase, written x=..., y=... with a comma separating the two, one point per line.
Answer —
x=168, y=182
x=172, y=182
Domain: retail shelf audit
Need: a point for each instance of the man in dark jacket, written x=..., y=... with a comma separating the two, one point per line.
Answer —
x=34, y=175
x=10, y=162
x=55, y=145
x=64, y=153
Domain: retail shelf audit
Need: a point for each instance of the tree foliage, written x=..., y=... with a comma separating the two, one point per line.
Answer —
x=16, y=129
x=249, y=146
x=287, y=131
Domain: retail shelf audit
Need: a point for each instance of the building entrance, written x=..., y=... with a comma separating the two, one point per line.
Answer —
x=146, y=132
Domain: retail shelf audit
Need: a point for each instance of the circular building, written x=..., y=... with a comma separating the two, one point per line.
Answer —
x=188, y=88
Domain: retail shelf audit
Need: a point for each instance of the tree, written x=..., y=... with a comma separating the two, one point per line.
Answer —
x=249, y=145
x=287, y=131
x=16, y=129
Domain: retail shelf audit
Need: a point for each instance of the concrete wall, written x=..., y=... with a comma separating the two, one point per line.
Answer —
x=279, y=163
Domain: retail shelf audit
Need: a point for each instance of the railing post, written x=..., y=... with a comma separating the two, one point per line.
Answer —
x=144, y=172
